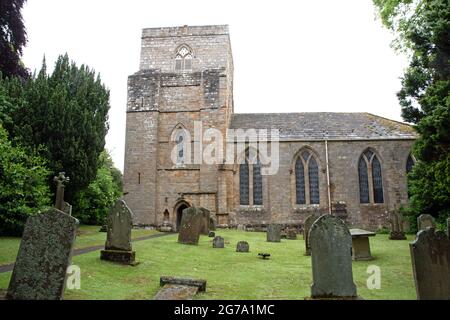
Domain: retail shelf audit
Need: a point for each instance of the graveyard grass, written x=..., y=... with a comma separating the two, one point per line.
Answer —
x=232, y=275
x=87, y=236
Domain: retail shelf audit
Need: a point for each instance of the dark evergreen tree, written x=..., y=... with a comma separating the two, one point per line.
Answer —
x=423, y=32
x=13, y=38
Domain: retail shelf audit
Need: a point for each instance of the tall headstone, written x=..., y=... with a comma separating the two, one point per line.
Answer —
x=274, y=233
x=61, y=181
x=397, y=232
x=306, y=227
x=430, y=257
x=118, y=240
x=331, y=259
x=44, y=255
x=425, y=221
x=191, y=225
x=205, y=228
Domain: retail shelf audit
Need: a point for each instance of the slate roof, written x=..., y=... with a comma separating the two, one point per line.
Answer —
x=325, y=125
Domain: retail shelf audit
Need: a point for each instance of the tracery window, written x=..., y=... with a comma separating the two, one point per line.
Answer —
x=370, y=178
x=250, y=182
x=183, y=59
x=306, y=179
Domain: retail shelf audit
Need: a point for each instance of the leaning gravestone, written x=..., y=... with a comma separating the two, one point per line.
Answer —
x=44, y=255
x=206, y=220
x=118, y=239
x=191, y=224
x=218, y=242
x=331, y=259
x=306, y=227
x=273, y=233
x=430, y=256
x=242, y=246
x=425, y=221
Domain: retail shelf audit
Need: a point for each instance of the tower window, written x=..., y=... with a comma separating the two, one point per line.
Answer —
x=183, y=59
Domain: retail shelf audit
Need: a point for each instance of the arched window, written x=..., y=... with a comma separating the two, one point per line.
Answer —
x=409, y=163
x=250, y=181
x=180, y=148
x=306, y=179
x=183, y=58
x=370, y=178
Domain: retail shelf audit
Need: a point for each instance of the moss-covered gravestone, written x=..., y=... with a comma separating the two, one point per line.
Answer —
x=331, y=259
x=44, y=255
x=425, y=221
x=118, y=240
x=192, y=221
x=430, y=257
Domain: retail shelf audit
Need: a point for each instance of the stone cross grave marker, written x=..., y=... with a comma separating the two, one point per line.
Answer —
x=425, y=221
x=273, y=232
x=61, y=181
x=430, y=257
x=118, y=240
x=306, y=227
x=331, y=259
x=44, y=255
x=191, y=225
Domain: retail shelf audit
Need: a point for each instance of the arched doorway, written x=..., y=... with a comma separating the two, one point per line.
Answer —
x=179, y=212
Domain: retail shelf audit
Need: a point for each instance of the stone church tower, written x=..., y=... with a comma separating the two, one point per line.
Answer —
x=186, y=75
x=352, y=165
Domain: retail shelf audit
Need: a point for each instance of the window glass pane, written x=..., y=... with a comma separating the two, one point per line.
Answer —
x=305, y=155
x=363, y=181
x=187, y=64
x=368, y=154
x=300, y=182
x=257, y=184
x=313, y=171
x=377, y=181
x=409, y=164
x=243, y=183
x=178, y=64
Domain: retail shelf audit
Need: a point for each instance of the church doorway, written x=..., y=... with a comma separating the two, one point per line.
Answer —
x=179, y=212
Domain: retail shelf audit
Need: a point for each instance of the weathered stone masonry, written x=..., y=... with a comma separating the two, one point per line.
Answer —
x=162, y=99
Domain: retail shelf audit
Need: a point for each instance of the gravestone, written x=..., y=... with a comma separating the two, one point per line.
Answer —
x=212, y=224
x=118, y=239
x=291, y=234
x=331, y=259
x=242, y=246
x=306, y=227
x=218, y=242
x=206, y=220
x=397, y=232
x=44, y=255
x=273, y=233
x=190, y=227
x=211, y=234
x=425, y=221
x=61, y=181
x=430, y=256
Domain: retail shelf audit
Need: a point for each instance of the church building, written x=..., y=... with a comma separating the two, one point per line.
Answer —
x=352, y=165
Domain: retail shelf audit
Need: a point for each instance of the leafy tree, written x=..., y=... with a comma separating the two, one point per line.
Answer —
x=23, y=186
x=92, y=204
x=423, y=32
x=13, y=38
x=66, y=113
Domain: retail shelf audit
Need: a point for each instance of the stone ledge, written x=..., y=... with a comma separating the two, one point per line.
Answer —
x=199, y=283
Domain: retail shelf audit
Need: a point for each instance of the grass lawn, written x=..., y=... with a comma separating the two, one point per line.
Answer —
x=232, y=275
x=88, y=236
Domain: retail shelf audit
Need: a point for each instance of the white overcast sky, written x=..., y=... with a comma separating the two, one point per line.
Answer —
x=289, y=56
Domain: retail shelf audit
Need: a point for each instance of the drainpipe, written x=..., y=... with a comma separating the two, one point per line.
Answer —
x=328, y=177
